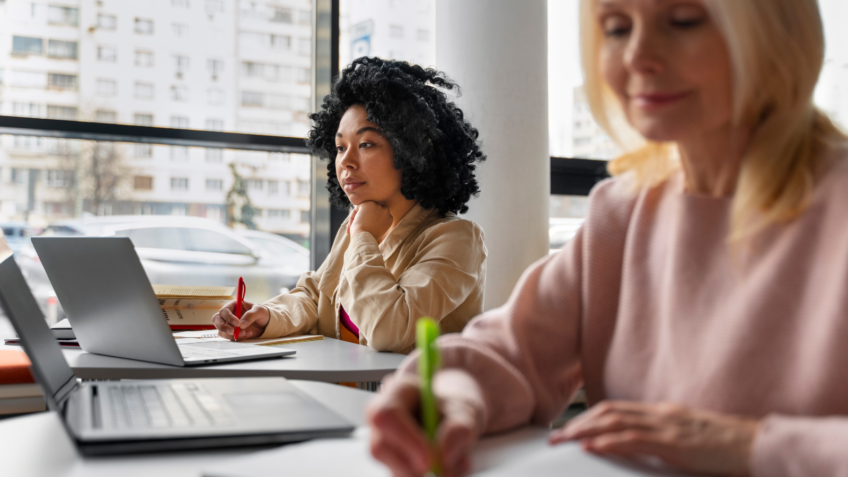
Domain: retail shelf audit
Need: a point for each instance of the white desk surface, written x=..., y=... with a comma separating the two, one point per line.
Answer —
x=37, y=445
x=328, y=360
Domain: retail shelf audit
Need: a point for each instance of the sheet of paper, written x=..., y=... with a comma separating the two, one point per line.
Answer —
x=207, y=335
x=517, y=453
x=567, y=460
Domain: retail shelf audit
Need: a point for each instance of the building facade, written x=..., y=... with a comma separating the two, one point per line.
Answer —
x=223, y=65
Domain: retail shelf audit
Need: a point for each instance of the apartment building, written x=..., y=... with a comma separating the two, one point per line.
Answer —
x=223, y=65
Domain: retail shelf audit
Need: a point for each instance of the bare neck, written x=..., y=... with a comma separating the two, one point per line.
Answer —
x=711, y=161
x=398, y=207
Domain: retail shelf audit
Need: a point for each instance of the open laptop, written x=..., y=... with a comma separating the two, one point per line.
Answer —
x=117, y=417
x=113, y=310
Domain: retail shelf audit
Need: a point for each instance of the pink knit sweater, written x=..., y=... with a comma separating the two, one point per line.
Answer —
x=648, y=304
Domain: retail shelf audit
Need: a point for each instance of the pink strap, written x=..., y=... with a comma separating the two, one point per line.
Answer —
x=346, y=322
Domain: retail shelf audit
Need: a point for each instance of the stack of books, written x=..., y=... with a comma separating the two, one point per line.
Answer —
x=19, y=392
x=191, y=308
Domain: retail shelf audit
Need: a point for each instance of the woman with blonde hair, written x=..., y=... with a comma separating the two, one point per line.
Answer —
x=702, y=305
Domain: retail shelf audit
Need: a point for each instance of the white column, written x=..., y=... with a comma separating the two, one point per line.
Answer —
x=497, y=50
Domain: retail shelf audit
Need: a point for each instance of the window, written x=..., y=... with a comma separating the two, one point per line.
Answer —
x=107, y=53
x=279, y=42
x=214, y=7
x=304, y=46
x=142, y=150
x=57, y=15
x=143, y=26
x=214, y=155
x=214, y=184
x=17, y=176
x=253, y=184
x=304, y=75
x=304, y=216
x=180, y=65
x=281, y=15
x=215, y=124
x=107, y=22
x=143, y=183
x=179, y=29
x=58, y=178
x=24, y=45
x=279, y=101
x=61, y=112
x=302, y=188
x=423, y=35
x=62, y=49
x=28, y=79
x=143, y=91
x=252, y=99
x=142, y=119
x=155, y=237
x=200, y=240
x=252, y=69
x=395, y=31
x=27, y=110
x=107, y=87
x=304, y=17
x=144, y=58
x=104, y=116
x=279, y=214
x=179, y=154
x=273, y=186
x=62, y=81
x=215, y=67
x=215, y=97
x=179, y=93
x=179, y=3
x=179, y=183
x=179, y=122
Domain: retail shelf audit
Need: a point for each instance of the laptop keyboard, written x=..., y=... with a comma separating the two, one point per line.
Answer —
x=170, y=405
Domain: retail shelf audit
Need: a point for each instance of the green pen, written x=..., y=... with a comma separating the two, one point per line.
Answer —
x=428, y=362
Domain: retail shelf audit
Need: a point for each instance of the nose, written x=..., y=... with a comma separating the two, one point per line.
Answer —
x=349, y=159
x=643, y=53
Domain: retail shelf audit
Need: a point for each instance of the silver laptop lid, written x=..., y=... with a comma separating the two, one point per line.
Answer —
x=108, y=299
x=51, y=370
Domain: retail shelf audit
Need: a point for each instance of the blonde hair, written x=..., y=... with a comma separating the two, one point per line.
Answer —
x=776, y=51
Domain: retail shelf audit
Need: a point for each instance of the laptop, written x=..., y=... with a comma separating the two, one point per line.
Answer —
x=113, y=310
x=116, y=417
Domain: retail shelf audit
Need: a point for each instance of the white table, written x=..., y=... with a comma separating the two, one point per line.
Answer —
x=328, y=360
x=37, y=445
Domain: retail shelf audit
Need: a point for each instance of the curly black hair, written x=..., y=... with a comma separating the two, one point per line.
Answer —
x=435, y=148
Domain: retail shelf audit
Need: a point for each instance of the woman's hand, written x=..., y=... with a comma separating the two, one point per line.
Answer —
x=688, y=439
x=398, y=441
x=370, y=217
x=254, y=319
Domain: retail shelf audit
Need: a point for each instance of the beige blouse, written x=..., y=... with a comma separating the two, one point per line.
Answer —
x=427, y=266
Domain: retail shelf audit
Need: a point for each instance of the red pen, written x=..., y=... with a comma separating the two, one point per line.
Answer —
x=239, y=303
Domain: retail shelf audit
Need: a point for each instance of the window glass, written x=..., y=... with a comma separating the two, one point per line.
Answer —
x=274, y=248
x=178, y=59
x=385, y=28
x=155, y=237
x=200, y=240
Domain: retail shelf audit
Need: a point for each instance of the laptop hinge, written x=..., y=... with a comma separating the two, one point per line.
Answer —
x=62, y=394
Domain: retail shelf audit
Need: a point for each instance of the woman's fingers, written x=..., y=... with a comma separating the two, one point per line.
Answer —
x=393, y=424
x=455, y=439
x=601, y=424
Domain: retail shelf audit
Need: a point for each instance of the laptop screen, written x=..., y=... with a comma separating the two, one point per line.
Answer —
x=49, y=366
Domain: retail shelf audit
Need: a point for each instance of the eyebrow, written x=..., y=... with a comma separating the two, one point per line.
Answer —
x=362, y=130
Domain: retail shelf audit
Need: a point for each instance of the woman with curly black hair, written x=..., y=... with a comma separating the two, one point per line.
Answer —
x=402, y=160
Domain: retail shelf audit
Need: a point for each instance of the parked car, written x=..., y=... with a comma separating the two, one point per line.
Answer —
x=287, y=254
x=17, y=234
x=177, y=251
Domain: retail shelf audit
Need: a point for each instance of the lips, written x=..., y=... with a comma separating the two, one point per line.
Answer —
x=350, y=185
x=657, y=100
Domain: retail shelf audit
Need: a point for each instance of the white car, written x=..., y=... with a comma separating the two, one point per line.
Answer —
x=179, y=251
